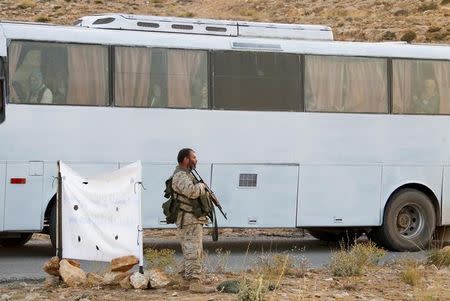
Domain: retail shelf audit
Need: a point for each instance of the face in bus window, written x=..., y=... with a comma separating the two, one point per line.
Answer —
x=428, y=99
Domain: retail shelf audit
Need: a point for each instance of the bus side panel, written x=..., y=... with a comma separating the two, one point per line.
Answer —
x=2, y=192
x=397, y=176
x=154, y=178
x=23, y=200
x=339, y=195
x=446, y=197
x=50, y=185
x=256, y=195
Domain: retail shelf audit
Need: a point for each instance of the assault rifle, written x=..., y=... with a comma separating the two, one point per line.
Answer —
x=215, y=200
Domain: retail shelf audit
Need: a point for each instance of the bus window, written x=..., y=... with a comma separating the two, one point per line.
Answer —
x=421, y=87
x=2, y=101
x=152, y=77
x=256, y=81
x=54, y=73
x=2, y=91
x=345, y=84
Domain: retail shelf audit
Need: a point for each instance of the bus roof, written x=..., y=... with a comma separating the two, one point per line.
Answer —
x=78, y=34
x=208, y=27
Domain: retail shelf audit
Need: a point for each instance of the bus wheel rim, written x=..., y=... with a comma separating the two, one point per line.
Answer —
x=410, y=221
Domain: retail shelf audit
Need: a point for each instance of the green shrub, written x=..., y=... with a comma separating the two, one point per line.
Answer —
x=24, y=4
x=409, y=36
x=352, y=262
x=163, y=259
x=428, y=6
x=389, y=36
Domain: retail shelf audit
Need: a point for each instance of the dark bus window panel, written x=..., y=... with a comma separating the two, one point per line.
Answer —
x=256, y=81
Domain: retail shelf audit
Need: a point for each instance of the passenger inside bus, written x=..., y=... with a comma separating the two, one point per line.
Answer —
x=39, y=93
x=155, y=97
x=427, y=101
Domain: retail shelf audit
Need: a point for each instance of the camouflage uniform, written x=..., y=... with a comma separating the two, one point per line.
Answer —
x=190, y=228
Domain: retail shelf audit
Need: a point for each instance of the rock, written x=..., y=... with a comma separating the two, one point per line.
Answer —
x=51, y=281
x=229, y=286
x=114, y=278
x=174, y=294
x=74, y=262
x=94, y=279
x=71, y=275
x=139, y=281
x=125, y=283
x=341, y=295
x=157, y=278
x=5, y=297
x=51, y=267
x=33, y=296
x=124, y=263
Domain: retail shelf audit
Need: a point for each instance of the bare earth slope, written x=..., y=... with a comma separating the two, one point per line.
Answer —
x=352, y=20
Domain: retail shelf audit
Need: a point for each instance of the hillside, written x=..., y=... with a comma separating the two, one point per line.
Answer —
x=352, y=20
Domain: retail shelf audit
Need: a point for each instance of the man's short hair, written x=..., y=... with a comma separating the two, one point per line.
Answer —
x=183, y=153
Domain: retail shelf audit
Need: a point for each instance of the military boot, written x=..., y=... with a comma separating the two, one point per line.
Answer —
x=196, y=286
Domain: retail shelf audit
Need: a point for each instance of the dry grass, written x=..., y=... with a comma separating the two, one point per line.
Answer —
x=411, y=273
x=353, y=262
x=428, y=6
x=439, y=257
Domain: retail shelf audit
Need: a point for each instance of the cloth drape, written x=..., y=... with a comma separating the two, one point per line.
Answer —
x=87, y=75
x=132, y=76
x=183, y=67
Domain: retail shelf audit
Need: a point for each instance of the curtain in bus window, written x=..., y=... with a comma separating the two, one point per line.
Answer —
x=442, y=74
x=324, y=84
x=132, y=76
x=87, y=75
x=185, y=68
x=15, y=49
x=343, y=84
x=421, y=87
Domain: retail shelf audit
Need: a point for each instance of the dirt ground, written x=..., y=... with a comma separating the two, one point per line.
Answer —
x=378, y=283
x=351, y=20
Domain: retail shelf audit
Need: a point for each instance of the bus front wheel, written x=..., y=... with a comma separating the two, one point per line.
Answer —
x=409, y=221
x=15, y=241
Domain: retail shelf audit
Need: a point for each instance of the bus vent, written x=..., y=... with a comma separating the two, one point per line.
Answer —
x=247, y=180
x=259, y=46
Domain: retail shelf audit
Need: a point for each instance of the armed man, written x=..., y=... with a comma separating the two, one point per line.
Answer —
x=190, y=226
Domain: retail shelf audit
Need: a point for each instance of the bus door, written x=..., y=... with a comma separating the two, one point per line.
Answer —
x=256, y=195
x=23, y=202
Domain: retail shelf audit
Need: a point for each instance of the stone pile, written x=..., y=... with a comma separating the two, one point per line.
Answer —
x=119, y=274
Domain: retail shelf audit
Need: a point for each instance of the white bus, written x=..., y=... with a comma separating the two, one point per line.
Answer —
x=292, y=129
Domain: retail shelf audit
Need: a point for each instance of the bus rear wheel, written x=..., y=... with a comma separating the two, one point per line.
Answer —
x=15, y=241
x=409, y=221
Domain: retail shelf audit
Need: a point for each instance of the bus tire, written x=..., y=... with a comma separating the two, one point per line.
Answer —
x=52, y=226
x=409, y=221
x=22, y=239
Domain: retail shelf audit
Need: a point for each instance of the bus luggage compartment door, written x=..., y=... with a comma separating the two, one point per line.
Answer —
x=23, y=202
x=339, y=195
x=256, y=195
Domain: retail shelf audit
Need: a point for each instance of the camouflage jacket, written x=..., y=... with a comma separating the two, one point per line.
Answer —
x=184, y=184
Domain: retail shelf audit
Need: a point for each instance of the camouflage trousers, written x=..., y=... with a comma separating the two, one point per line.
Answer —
x=191, y=237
